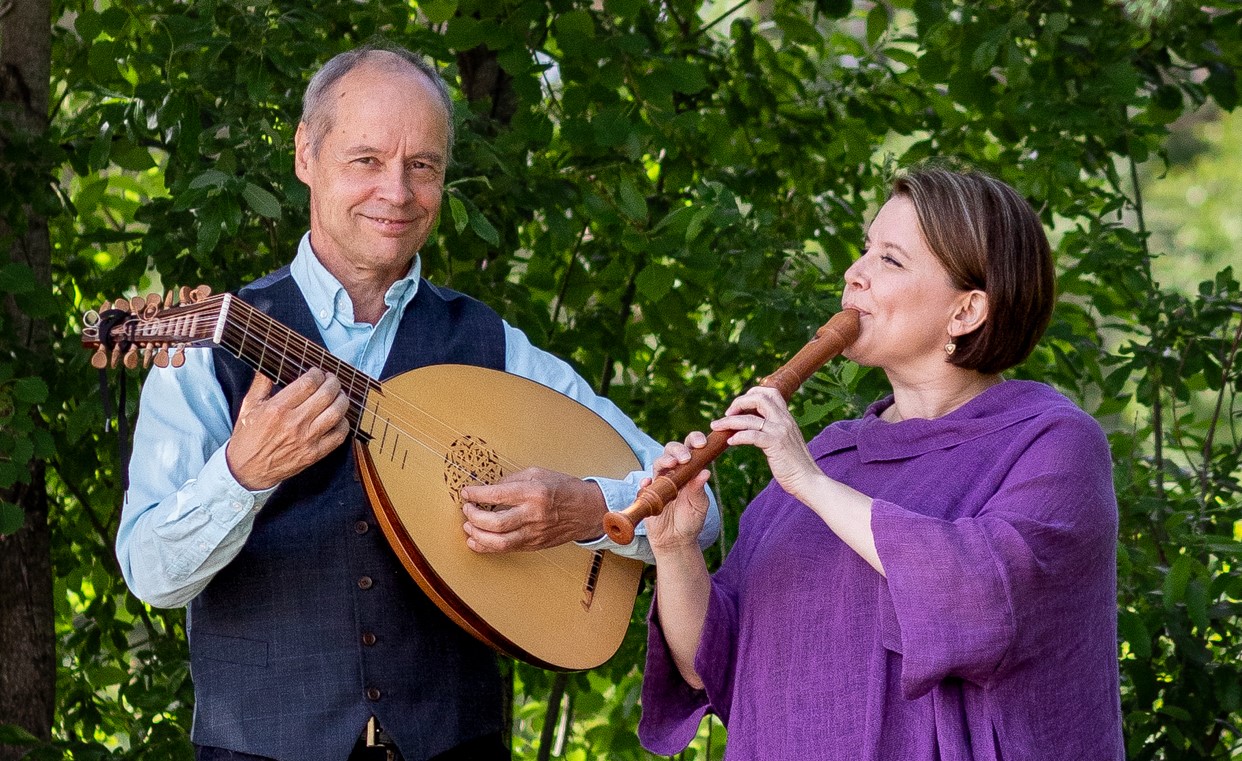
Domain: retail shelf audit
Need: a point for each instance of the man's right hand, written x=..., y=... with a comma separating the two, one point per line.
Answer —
x=280, y=435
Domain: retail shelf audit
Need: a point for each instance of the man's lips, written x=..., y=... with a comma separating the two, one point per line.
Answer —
x=388, y=222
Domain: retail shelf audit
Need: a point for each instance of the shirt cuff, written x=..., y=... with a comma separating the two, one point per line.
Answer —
x=230, y=497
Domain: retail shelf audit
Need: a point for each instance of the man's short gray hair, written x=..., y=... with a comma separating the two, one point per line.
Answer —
x=319, y=111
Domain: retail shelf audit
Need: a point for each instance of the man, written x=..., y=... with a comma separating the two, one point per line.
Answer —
x=304, y=629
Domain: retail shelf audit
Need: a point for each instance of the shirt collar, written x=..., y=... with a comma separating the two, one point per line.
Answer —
x=328, y=299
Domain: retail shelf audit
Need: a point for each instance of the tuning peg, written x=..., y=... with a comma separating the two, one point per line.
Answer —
x=99, y=360
x=178, y=358
x=147, y=351
x=183, y=294
x=105, y=306
x=137, y=304
x=168, y=300
x=161, y=358
x=116, y=356
x=131, y=358
x=200, y=293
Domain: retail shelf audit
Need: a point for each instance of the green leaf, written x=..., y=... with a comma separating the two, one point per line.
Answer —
x=484, y=229
x=654, y=282
x=575, y=32
x=632, y=201
x=985, y=54
x=1176, y=581
x=210, y=178
x=1132, y=629
x=877, y=23
x=88, y=25
x=12, y=518
x=438, y=11
x=261, y=201
x=135, y=158
x=30, y=390
x=461, y=217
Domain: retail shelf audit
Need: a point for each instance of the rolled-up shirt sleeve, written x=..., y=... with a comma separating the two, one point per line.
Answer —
x=969, y=598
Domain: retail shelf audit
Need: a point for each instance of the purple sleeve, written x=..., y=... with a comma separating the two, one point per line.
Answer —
x=672, y=709
x=973, y=597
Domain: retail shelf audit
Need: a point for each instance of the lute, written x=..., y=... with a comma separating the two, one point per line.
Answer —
x=416, y=444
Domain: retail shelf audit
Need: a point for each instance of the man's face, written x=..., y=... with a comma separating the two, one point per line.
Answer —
x=376, y=180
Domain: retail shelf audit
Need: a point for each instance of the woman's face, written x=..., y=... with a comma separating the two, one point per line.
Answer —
x=903, y=294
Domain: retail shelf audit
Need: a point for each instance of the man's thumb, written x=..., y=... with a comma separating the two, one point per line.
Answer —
x=260, y=389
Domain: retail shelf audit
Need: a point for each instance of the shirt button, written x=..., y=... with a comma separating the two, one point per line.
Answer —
x=365, y=582
x=373, y=694
x=323, y=314
x=238, y=505
x=362, y=527
x=368, y=639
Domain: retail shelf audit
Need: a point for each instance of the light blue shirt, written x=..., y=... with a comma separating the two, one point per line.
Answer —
x=185, y=517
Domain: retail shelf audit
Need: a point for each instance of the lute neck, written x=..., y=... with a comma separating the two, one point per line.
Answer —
x=284, y=355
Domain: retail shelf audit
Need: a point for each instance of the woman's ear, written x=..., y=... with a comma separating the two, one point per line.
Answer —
x=971, y=313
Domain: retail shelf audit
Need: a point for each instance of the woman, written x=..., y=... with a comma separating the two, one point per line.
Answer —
x=936, y=580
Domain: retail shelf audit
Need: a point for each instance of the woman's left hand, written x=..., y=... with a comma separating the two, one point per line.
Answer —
x=761, y=418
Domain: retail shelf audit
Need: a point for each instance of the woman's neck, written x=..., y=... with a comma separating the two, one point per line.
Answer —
x=936, y=397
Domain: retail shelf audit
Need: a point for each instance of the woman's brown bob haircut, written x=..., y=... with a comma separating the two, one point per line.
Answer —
x=989, y=239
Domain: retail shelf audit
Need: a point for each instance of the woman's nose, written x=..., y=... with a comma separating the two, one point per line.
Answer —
x=855, y=274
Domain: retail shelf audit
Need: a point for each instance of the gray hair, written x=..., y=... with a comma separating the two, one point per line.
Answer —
x=319, y=111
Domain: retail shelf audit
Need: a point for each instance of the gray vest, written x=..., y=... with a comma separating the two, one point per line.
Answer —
x=316, y=626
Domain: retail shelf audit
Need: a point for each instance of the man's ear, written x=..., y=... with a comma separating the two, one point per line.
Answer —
x=301, y=153
x=971, y=313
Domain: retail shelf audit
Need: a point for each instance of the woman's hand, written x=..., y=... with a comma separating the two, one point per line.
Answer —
x=761, y=418
x=679, y=525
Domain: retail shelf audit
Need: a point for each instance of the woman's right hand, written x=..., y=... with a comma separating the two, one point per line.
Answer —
x=679, y=525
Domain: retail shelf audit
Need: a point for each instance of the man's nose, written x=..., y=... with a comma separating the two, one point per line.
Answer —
x=395, y=184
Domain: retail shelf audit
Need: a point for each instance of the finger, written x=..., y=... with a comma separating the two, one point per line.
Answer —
x=301, y=389
x=483, y=541
x=325, y=414
x=500, y=493
x=334, y=437
x=696, y=439
x=493, y=521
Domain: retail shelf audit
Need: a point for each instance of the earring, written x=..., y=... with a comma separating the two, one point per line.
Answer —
x=950, y=347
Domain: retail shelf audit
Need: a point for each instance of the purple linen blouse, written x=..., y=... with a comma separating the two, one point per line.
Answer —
x=993, y=637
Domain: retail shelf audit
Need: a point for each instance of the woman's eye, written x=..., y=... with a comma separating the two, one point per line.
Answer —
x=890, y=260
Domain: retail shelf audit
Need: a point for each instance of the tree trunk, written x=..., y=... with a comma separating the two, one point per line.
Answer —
x=27, y=634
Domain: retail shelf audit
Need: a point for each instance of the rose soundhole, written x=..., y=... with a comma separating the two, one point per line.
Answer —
x=470, y=460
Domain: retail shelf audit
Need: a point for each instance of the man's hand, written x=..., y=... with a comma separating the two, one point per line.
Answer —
x=532, y=510
x=280, y=435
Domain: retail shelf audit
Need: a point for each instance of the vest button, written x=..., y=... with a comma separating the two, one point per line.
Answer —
x=365, y=582
x=368, y=639
x=361, y=527
x=373, y=694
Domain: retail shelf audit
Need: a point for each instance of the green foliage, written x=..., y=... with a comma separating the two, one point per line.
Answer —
x=667, y=197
